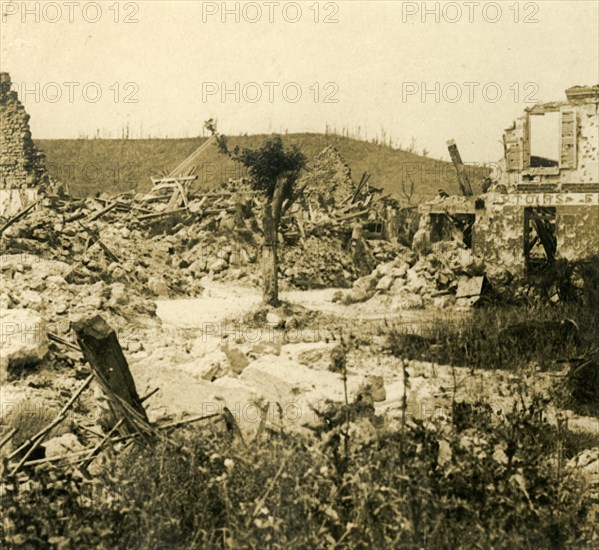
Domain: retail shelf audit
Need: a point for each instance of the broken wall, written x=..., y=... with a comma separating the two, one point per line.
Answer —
x=329, y=179
x=15, y=200
x=22, y=164
x=498, y=234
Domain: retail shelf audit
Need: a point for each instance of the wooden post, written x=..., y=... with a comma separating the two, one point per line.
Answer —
x=460, y=169
x=102, y=350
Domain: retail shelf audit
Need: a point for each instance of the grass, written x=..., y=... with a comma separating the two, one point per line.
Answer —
x=514, y=329
x=495, y=482
x=118, y=165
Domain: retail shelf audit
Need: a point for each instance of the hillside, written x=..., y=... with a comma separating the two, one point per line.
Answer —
x=117, y=165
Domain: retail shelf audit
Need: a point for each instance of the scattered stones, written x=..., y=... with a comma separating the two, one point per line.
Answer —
x=274, y=319
x=65, y=444
x=385, y=283
x=134, y=346
x=158, y=286
x=118, y=294
x=218, y=265
x=24, y=340
x=237, y=359
x=377, y=388
x=412, y=282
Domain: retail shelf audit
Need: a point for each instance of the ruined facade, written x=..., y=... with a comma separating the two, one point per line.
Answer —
x=22, y=166
x=576, y=168
x=544, y=205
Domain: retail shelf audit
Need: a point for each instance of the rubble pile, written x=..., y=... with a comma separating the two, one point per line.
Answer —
x=330, y=260
x=110, y=252
x=38, y=298
x=64, y=258
x=329, y=179
x=132, y=238
x=325, y=251
x=414, y=282
x=319, y=263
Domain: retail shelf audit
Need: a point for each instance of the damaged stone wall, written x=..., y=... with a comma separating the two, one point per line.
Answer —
x=498, y=234
x=330, y=178
x=567, y=185
x=577, y=231
x=22, y=164
x=498, y=238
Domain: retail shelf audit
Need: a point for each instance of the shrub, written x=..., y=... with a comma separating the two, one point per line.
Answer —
x=493, y=481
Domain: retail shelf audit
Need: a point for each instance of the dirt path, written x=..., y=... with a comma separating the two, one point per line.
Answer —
x=222, y=301
x=183, y=390
x=218, y=303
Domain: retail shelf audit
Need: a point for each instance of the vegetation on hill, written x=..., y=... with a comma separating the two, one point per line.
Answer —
x=111, y=166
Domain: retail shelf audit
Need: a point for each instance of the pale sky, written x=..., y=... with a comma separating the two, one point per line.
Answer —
x=373, y=58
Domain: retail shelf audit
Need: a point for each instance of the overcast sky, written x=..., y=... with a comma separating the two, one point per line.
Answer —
x=163, y=66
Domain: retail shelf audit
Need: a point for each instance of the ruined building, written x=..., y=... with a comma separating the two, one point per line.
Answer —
x=22, y=166
x=544, y=204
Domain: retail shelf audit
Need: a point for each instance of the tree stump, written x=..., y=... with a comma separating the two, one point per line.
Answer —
x=101, y=348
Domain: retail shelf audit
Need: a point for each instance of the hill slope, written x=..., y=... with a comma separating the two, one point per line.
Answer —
x=115, y=165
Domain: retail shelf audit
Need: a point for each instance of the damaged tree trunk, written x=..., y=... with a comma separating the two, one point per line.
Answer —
x=270, y=260
x=271, y=218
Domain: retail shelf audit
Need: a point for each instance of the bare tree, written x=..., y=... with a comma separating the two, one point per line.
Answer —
x=407, y=193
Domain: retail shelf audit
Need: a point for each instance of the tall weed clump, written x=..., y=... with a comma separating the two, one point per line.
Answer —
x=479, y=480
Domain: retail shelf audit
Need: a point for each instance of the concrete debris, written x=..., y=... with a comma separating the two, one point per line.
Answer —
x=24, y=340
x=131, y=238
x=238, y=360
x=375, y=388
x=274, y=319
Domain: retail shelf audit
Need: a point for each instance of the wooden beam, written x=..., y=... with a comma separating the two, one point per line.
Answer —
x=19, y=216
x=456, y=158
x=34, y=442
x=191, y=157
x=101, y=349
x=96, y=239
x=103, y=211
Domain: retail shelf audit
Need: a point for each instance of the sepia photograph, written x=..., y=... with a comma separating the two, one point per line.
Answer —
x=299, y=275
